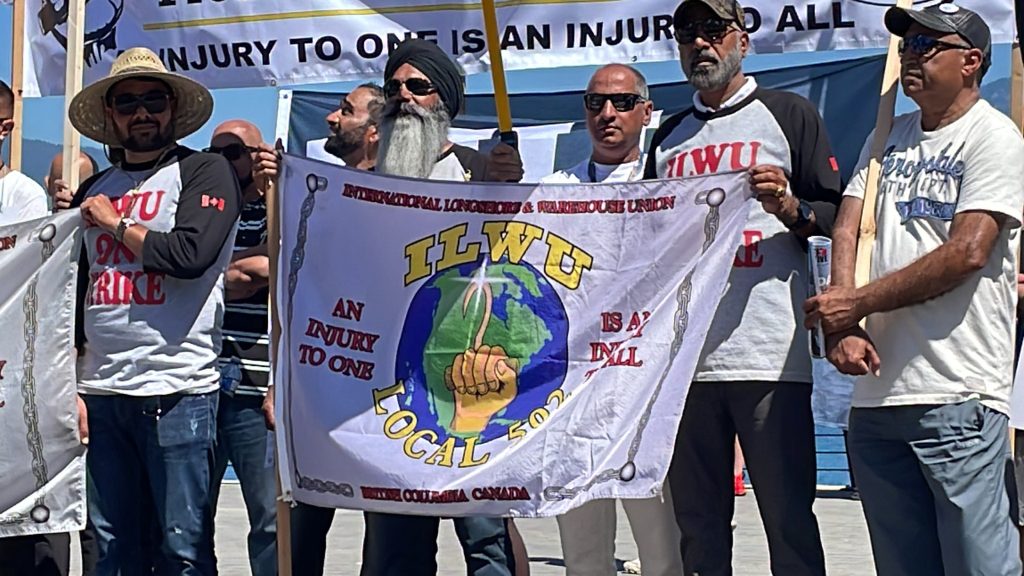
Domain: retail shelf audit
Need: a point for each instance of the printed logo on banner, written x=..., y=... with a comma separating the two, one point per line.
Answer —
x=103, y=39
x=483, y=350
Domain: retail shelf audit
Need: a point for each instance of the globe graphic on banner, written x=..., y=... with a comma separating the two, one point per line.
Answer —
x=483, y=345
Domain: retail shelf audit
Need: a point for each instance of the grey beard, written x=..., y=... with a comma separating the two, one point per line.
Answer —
x=717, y=76
x=411, y=139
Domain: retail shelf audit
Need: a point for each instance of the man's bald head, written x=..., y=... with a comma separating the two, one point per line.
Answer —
x=239, y=141
x=244, y=130
x=86, y=168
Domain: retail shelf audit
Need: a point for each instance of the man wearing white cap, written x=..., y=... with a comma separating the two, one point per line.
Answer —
x=161, y=225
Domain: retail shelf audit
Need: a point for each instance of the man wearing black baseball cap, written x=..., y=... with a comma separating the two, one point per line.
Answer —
x=928, y=427
x=754, y=376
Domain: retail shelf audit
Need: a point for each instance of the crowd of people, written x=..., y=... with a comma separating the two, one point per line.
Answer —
x=173, y=378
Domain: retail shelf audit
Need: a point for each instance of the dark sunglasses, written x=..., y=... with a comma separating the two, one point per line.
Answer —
x=712, y=30
x=232, y=151
x=417, y=86
x=621, y=102
x=154, y=102
x=921, y=45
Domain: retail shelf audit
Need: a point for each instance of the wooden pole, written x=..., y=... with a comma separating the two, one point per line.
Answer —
x=883, y=125
x=72, y=86
x=284, y=539
x=501, y=103
x=17, y=80
x=1017, y=87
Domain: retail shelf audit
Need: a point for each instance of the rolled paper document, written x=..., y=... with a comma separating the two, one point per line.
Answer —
x=819, y=276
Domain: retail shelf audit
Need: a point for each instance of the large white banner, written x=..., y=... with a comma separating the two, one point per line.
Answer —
x=461, y=349
x=42, y=463
x=235, y=43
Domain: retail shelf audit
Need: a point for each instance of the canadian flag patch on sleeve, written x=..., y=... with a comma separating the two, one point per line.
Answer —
x=212, y=202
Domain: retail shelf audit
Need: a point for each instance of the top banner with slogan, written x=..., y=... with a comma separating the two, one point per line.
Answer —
x=42, y=463
x=240, y=43
x=458, y=349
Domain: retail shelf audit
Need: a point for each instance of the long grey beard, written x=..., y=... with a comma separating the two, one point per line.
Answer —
x=719, y=75
x=411, y=139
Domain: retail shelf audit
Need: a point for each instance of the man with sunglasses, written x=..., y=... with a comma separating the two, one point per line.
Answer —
x=617, y=106
x=21, y=198
x=425, y=91
x=242, y=435
x=928, y=428
x=754, y=377
x=160, y=225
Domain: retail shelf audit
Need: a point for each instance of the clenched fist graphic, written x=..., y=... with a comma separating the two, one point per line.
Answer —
x=483, y=380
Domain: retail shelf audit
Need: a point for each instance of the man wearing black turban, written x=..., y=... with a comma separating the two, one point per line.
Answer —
x=424, y=91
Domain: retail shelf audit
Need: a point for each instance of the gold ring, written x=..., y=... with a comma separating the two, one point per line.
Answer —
x=780, y=191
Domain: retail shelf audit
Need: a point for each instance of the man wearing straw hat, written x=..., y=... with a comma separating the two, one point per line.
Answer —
x=160, y=228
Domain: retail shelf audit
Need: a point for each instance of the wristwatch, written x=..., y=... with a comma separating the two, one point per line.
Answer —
x=804, y=212
x=123, y=225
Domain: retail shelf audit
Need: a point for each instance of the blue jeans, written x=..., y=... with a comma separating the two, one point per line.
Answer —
x=936, y=483
x=400, y=545
x=149, y=463
x=242, y=437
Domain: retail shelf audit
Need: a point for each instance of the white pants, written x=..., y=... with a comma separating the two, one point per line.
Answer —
x=588, y=537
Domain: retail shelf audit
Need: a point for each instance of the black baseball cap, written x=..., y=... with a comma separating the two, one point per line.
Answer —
x=948, y=18
x=729, y=10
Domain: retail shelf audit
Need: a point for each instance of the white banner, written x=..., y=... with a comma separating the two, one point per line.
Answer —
x=487, y=349
x=42, y=463
x=234, y=43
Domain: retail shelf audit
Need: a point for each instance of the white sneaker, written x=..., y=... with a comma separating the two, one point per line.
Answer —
x=632, y=566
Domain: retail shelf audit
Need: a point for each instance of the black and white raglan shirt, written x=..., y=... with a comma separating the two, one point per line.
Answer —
x=151, y=326
x=757, y=333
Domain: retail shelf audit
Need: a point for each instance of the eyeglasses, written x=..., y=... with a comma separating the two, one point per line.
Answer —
x=621, y=102
x=712, y=30
x=417, y=86
x=154, y=102
x=921, y=45
x=232, y=151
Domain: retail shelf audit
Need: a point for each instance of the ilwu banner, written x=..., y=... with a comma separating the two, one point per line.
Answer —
x=236, y=43
x=486, y=349
x=42, y=463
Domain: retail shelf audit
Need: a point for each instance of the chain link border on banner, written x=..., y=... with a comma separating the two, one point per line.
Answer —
x=40, y=513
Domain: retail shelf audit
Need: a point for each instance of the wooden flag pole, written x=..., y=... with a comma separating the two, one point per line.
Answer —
x=501, y=103
x=72, y=86
x=883, y=125
x=270, y=194
x=17, y=80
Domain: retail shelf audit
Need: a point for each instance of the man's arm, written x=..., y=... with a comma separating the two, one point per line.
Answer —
x=972, y=237
x=845, y=234
x=248, y=273
x=207, y=211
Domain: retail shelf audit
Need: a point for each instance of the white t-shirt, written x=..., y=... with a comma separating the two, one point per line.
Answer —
x=21, y=199
x=959, y=345
x=580, y=173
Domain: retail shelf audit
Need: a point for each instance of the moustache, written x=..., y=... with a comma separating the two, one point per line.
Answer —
x=145, y=123
x=703, y=57
x=395, y=109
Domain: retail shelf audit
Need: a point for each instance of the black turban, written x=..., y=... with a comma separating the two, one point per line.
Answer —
x=430, y=59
